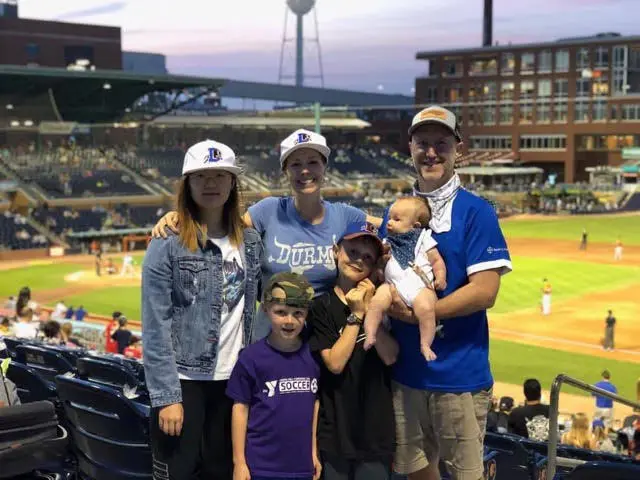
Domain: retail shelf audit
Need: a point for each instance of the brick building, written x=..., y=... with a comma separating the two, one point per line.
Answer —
x=563, y=106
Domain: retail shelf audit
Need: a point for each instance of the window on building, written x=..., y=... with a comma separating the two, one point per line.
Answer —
x=453, y=94
x=544, y=61
x=543, y=142
x=619, y=56
x=506, y=114
x=452, y=68
x=560, y=112
x=581, y=112
x=600, y=85
x=506, y=90
x=602, y=57
x=526, y=112
x=33, y=52
x=490, y=91
x=582, y=59
x=583, y=87
x=475, y=93
x=606, y=142
x=599, y=111
x=631, y=112
x=432, y=68
x=490, y=142
x=619, y=85
x=489, y=115
x=527, y=63
x=561, y=88
x=614, y=113
x=544, y=88
x=473, y=116
x=507, y=64
x=483, y=66
x=431, y=94
x=543, y=113
x=562, y=61
x=527, y=87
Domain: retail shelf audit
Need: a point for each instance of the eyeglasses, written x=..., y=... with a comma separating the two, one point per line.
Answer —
x=440, y=148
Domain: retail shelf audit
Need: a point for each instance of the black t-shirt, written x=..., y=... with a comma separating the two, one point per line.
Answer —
x=519, y=416
x=611, y=321
x=122, y=337
x=356, y=419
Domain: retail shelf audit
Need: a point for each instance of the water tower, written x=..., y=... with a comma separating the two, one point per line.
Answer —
x=299, y=8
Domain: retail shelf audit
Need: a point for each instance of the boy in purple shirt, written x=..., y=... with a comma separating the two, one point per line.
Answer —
x=274, y=387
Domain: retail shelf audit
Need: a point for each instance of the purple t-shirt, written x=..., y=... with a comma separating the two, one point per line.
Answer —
x=280, y=389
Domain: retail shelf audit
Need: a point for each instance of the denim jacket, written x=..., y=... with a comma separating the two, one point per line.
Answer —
x=181, y=310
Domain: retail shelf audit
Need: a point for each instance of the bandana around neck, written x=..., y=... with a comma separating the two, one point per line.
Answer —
x=441, y=203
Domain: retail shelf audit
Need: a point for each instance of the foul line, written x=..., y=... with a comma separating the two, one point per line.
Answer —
x=559, y=340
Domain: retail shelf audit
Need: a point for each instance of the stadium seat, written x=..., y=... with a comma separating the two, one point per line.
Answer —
x=11, y=344
x=513, y=461
x=110, y=432
x=605, y=471
x=30, y=385
x=47, y=362
x=112, y=375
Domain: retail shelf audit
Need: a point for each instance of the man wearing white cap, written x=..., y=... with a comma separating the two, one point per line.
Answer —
x=441, y=406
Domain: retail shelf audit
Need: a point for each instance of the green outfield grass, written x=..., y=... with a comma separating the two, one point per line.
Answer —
x=521, y=288
x=513, y=363
x=603, y=228
x=36, y=277
x=106, y=300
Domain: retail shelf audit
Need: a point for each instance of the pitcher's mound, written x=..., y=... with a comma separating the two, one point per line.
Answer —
x=90, y=277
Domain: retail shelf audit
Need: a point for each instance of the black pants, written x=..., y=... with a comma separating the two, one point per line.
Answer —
x=203, y=449
x=337, y=468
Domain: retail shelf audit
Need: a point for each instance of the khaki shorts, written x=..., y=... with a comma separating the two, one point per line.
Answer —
x=434, y=425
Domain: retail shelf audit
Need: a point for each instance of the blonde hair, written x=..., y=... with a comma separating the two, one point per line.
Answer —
x=67, y=328
x=422, y=211
x=189, y=213
x=579, y=435
x=600, y=433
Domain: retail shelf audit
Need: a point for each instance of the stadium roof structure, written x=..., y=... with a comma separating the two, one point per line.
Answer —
x=258, y=120
x=96, y=96
x=101, y=96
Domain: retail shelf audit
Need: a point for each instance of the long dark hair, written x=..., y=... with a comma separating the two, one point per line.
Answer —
x=23, y=299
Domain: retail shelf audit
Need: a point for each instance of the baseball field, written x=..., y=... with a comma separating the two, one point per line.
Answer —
x=586, y=283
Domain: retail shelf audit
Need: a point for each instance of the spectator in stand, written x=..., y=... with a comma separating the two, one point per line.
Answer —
x=80, y=314
x=601, y=438
x=580, y=435
x=11, y=303
x=111, y=345
x=492, y=416
x=134, y=350
x=24, y=327
x=24, y=301
x=532, y=419
x=66, y=332
x=122, y=336
x=604, y=405
x=51, y=333
x=5, y=326
x=504, y=410
x=59, y=311
x=69, y=313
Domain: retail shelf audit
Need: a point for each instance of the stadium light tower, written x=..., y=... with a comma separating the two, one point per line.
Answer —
x=300, y=8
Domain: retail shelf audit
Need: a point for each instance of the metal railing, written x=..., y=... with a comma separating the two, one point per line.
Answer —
x=561, y=379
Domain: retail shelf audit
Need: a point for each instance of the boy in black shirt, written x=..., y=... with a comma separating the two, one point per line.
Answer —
x=532, y=419
x=356, y=425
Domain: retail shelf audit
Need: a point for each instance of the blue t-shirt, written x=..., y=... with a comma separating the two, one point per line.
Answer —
x=280, y=389
x=473, y=244
x=294, y=245
x=604, y=402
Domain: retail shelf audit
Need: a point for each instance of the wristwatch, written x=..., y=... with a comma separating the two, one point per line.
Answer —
x=353, y=319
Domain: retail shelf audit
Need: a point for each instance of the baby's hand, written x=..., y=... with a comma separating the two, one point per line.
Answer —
x=440, y=283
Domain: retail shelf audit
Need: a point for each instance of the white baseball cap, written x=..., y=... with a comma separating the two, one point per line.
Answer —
x=435, y=114
x=210, y=154
x=303, y=139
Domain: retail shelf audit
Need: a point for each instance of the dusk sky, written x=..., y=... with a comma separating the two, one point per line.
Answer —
x=365, y=43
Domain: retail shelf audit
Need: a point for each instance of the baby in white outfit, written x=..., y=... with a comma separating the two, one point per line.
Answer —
x=413, y=250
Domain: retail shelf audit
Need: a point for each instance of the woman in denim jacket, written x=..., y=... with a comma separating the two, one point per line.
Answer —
x=199, y=291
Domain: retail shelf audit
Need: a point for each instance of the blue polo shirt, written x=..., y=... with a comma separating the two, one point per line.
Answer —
x=604, y=402
x=473, y=244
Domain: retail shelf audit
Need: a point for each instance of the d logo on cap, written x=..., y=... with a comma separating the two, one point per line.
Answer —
x=213, y=156
x=303, y=138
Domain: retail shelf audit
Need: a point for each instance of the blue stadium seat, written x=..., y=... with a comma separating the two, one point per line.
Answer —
x=30, y=385
x=11, y=344
x=112, y=375
x=110, y=432
x=513, y=461
x=605, y=471
x=47, y=362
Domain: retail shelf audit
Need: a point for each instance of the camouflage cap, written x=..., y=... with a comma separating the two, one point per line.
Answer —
x=297, y=289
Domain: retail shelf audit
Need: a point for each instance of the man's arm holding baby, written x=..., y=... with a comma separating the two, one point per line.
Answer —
x=478, y=294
